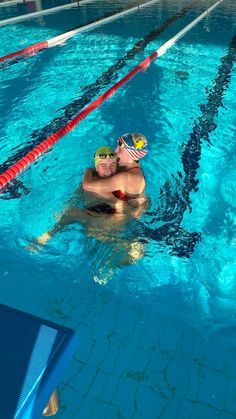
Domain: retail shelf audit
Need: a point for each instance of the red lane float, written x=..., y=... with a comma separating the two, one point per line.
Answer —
x=32, y=49
x=30, y=157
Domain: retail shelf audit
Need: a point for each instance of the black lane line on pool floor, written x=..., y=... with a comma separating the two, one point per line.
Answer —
x=69, y=111
x=181, y=242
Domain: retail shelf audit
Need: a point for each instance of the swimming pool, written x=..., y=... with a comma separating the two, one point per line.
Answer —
x=157, y=340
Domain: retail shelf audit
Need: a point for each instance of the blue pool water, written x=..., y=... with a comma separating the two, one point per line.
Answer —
x=157, y=340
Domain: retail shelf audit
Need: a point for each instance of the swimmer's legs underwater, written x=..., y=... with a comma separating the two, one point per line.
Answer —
x=114, y=255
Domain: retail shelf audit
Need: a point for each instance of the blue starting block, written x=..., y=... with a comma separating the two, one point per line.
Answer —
x=33, y=355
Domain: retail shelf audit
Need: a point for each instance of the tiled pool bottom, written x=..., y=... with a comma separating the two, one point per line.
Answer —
x=135, y=362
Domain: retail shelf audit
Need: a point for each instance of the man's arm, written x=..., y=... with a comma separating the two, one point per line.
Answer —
x=110, y=184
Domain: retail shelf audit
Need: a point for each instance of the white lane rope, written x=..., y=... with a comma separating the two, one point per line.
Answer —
x=63, y=37
x=187, y=28
x=10, y=3
x=41, y=13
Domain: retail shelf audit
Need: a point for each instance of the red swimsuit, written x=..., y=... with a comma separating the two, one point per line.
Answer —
x=122, y=196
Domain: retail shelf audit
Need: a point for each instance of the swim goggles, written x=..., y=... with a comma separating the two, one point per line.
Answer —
x=106, y=156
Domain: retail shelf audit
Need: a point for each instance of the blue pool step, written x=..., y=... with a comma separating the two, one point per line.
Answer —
x=33, y=355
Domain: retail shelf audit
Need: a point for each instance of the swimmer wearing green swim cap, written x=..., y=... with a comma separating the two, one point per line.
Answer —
x=129, y=181
x=105, y=162
x=110, y=201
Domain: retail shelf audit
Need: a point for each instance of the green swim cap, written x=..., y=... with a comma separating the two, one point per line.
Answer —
x=103, y=153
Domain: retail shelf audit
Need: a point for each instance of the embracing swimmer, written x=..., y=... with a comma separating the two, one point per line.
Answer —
x=129, y=182
x=105, y=163
x=108, y=190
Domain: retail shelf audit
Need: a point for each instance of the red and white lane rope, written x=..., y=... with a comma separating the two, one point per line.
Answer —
x=58, y=40
x=30, y=157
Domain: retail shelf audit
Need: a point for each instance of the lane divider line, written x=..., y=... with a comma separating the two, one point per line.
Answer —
x=10, y=3
x=58, y=40
x=40, y=13
x=45, y=145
